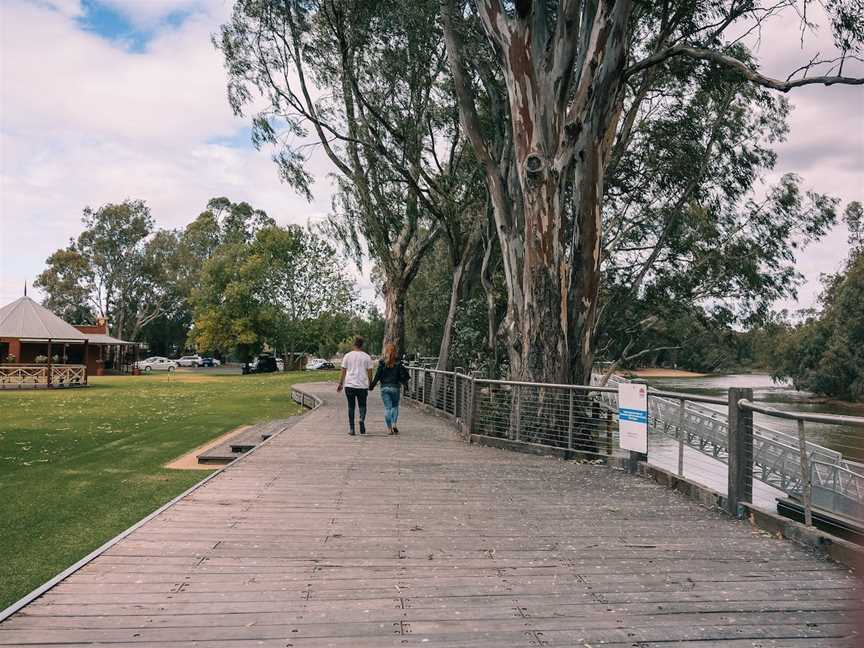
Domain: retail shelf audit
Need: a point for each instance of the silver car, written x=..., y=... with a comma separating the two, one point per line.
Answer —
x=156, y=363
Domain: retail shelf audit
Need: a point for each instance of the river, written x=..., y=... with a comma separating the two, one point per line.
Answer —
x=846, y=439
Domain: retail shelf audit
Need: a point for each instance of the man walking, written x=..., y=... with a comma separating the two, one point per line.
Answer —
x=355, y=377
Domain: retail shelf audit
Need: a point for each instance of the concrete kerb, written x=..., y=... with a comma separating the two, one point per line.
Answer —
x=66, y=573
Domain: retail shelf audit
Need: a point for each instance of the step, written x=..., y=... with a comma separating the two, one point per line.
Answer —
x=242, y=443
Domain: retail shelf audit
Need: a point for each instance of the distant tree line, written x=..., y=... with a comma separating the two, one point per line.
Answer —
x=825, y=353
x=232, y=282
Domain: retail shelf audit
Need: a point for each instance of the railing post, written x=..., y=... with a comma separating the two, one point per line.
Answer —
x=517, y=417
x=609, y=432
x=473, y=406
x=681, y=438
x=806, y=475
x=740, y=431
x=570, y=421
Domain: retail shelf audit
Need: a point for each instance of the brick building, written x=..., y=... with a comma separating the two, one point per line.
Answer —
x=36, y=346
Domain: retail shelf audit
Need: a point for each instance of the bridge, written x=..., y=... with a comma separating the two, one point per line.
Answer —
x=319, y=539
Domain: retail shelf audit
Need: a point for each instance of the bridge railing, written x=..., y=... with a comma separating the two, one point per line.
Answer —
x=582, y=421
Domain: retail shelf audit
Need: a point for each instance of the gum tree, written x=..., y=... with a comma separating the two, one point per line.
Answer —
x=576, y=73
x=362, y=81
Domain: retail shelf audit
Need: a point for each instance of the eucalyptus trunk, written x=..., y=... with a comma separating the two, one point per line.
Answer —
x=394, y=313
x=456, y=291
x=564, y=92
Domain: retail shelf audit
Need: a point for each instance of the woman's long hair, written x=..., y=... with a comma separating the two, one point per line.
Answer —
x=390, y=355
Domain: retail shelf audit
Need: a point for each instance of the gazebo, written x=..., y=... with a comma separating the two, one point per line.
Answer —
x=38, y=349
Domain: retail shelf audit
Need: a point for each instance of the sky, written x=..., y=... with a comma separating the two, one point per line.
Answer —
x=103, y=100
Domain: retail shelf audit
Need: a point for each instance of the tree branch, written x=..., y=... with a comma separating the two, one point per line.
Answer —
x=742, y=68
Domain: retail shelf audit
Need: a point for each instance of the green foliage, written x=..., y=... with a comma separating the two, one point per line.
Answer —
x=79, y=466
x=826, y=353
x=66, y=283
x=426, y=303
x=682, y=221
x=284, y=288
x=115, y=269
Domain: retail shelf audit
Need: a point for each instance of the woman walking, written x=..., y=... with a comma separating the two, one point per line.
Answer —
x=392, y=375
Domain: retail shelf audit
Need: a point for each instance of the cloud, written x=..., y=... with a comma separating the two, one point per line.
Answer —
x=88, y=118
x=825, y=145
x=85, y=122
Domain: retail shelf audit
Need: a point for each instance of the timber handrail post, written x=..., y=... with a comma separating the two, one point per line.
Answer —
x=806, y=475
x=570, y=421
x=740, y=432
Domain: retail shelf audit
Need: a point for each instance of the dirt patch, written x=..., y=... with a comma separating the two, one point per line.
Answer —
x=189, y=461
x=663, y=373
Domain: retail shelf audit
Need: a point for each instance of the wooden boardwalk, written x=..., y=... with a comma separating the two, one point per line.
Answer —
x=321, y=539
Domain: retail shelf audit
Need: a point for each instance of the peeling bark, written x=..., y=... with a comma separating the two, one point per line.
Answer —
x=394, y=313
x=564, y=90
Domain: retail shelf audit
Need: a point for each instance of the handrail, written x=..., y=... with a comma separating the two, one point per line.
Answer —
x=695, y=398
x=832, y=419
x=589, y=388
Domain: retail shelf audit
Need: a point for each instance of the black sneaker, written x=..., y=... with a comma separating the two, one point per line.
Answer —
x=395, y=430
x=350, y=432
x=362, y=429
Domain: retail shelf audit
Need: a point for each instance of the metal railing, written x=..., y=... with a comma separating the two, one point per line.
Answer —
x=830, y=484
x=776, y=455
x=583, y=420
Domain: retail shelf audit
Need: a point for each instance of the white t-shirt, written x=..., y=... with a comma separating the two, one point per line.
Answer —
x=357, y=364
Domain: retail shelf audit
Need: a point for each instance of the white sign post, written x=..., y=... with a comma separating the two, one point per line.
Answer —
x=633, y=417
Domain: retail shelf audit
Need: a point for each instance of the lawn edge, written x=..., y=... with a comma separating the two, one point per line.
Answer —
x=300, y=397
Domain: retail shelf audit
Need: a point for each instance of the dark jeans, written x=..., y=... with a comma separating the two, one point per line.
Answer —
x=353, y=394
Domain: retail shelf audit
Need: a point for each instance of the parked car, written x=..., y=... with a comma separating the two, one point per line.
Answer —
x=207, y=361
x=317, y=364
x=191, y=361
x=156, y=363
x=263, y=364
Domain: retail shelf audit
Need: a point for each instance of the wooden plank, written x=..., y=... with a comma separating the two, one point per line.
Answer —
x=319, y=539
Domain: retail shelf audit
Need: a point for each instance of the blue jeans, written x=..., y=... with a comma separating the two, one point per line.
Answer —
x=390, y=395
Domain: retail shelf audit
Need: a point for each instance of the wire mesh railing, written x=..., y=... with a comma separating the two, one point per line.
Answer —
x=825, y=481
x=711, y=440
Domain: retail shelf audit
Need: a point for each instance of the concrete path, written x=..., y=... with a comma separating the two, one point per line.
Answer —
x=321, y=539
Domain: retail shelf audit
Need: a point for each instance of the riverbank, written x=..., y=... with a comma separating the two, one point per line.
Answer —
x=658, y=372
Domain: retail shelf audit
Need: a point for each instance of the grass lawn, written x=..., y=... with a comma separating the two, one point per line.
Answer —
x=79, y=466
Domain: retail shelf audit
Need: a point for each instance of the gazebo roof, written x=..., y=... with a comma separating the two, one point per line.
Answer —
x=26, y=319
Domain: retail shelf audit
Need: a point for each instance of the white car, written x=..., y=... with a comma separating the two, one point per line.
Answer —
x=156, y=363
x=191, y=361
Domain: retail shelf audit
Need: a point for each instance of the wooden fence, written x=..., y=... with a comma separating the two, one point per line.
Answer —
x=32, y=376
